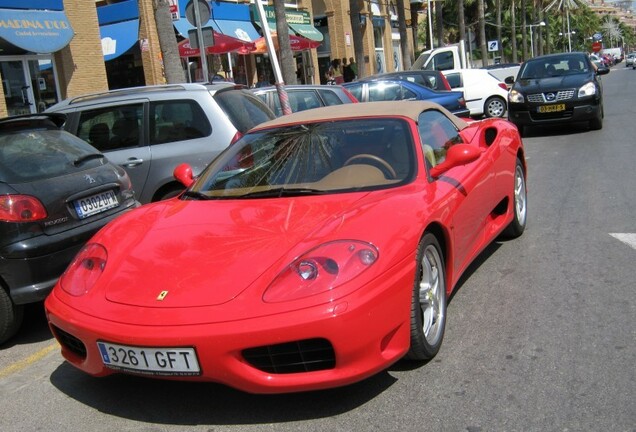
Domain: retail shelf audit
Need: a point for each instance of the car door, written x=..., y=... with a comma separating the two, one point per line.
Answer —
x=118, y=131
x=471, y=185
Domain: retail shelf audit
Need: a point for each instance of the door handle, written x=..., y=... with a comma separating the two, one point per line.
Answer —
x=133, y=162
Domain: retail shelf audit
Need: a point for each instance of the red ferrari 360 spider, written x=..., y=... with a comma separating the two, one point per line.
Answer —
x=315, y=252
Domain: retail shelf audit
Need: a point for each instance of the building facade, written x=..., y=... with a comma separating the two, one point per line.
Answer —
x=54, y=49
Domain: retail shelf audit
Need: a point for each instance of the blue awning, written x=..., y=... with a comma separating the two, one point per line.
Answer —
x=234, y=20
x=38, y=31
x=118, y=38
x=183, y=26
x=242, y=30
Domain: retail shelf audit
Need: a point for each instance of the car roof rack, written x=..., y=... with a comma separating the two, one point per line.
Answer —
x=131, y=91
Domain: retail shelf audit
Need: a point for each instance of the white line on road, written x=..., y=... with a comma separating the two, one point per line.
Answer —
x=627, y=238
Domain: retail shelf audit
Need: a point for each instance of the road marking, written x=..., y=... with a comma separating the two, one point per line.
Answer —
x=627, y=238
x=18, y=366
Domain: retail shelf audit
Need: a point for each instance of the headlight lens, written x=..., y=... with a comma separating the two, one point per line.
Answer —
x=321, y=269
x=588, y=89
x=515, y=97
x=85, y=269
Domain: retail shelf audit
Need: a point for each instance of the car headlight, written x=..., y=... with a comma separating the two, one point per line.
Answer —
x=82, y=274
x=588, y=89
x=321, y=269
x=515, y=97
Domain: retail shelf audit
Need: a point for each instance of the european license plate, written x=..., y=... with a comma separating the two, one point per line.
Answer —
x=94, y=204
x=551, y=108
x=150, y=360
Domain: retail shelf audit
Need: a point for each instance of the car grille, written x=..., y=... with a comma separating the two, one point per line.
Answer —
x=559, y=96
x=70, y=342
x=293, y=357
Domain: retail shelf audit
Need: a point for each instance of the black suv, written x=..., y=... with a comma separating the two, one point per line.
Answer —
x=555, y=89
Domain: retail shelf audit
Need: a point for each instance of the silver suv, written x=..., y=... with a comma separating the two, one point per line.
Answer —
x=150, y=130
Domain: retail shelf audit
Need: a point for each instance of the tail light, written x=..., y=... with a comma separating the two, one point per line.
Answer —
x=236, y=137
x=21, y=208
x=503, y=86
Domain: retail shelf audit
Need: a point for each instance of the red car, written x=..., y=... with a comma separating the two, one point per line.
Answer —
x=315, y=252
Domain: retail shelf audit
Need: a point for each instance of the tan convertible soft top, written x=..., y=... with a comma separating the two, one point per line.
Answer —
x=409, y=109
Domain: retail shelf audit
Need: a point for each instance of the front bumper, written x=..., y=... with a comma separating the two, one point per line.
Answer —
x=524, y=115
x=369, y=330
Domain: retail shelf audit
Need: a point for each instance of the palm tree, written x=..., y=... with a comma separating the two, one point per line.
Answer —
x=355, y=9
x=287, y=63
x=564, y=7
x=482, y=31
x=172, y=68
x=407, y=56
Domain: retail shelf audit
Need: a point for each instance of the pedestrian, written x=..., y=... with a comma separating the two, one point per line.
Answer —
x=335, y=71
x=354, y=68
x=347, y=72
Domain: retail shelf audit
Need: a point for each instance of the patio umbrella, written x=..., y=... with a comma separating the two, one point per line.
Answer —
x=297, y=43
x=222, y=44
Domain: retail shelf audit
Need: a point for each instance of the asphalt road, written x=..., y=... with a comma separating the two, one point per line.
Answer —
x=540, y=337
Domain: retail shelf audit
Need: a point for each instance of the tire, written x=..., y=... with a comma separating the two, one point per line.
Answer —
x=597, y=123
x=10, y=316
x=520, y=204
x=428, y=303
x=495, y=107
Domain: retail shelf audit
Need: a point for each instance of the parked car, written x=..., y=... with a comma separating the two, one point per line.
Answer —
x=305, y=96
x=432, y=79
x=150, y=130
x=396, y=90
x=629, y=59
x=556, y=89
x=485, y=95
x=56, y=191
x=271, y=273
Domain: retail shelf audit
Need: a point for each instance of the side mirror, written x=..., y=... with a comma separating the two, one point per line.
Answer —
x=458, y=154
x=509, y=80
x=183, y=174
x=602, y=70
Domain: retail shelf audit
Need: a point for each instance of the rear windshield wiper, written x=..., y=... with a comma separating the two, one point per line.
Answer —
x=80, y=160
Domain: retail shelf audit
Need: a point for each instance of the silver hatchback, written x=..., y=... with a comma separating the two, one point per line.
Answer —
x=150, y=130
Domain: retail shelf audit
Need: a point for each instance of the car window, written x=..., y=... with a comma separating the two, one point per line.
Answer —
x=443, y=61
x=408, y=94
x=454, y=80
x=177, y=120
x=384, y=92
x=356, y=90
x=330, y=97
x=243, y=109
x=28, y=155
x=437, y=134
x=112, y=128
x=301, y=100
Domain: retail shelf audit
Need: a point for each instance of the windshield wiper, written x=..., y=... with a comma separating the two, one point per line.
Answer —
x=283, y=192
x=196, y=195
x=80, y=160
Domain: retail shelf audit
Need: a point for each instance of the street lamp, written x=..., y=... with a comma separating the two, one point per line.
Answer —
x=541, y=24
x=569, y=34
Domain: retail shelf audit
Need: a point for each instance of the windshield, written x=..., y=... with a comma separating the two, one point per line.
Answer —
x=320, y=158
x=554, y=67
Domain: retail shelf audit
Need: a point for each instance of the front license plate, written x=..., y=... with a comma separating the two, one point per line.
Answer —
x=551, y=108
x=94, y=204
x=149, y=360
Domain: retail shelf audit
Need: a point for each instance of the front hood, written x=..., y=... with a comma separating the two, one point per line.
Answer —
x=205, y=253
x=551, y=84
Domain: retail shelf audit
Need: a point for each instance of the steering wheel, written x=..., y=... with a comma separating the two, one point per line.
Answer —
x=389, y=169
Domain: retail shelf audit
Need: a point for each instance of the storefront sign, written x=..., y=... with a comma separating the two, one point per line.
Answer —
x=36, y=31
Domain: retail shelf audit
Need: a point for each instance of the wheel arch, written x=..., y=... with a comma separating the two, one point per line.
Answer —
x=443, y=238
